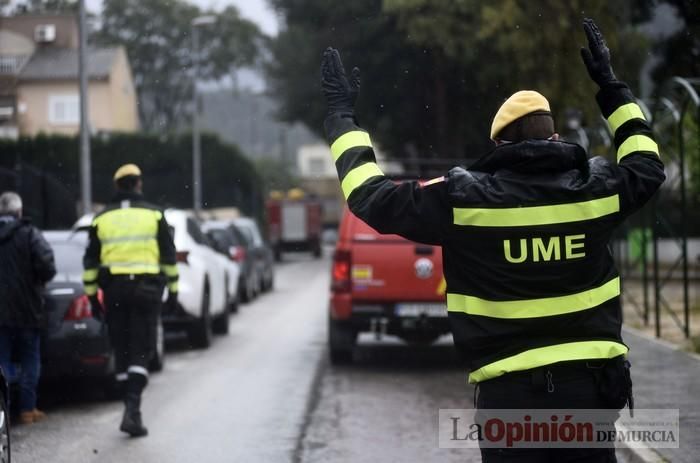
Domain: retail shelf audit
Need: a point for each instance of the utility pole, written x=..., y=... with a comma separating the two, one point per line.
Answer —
x=196, y=142
x=85, y=164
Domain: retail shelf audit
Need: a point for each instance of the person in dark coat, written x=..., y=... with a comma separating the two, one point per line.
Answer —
x=26, y=265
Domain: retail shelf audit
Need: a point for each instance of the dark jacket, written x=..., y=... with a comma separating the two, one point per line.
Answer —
x=26, y=264
x=524, y=233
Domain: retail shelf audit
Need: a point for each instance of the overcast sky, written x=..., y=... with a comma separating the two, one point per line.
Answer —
x=257, y=11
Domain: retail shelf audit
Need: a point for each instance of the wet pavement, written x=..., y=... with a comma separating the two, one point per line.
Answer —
x=266, y=393
x=384, y=407
x=242, y=400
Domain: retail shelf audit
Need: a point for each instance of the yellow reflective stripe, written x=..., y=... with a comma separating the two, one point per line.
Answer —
x=90, y=289
x=128, y=239
x=533, y=358
x=358, y=176
x=173, y=286
x=349, y=140
x=623, y=114
x=533, y=308
x=169, y=270
x=537, y=215
x=636, y=143
x=90, y=274
x=120, y=268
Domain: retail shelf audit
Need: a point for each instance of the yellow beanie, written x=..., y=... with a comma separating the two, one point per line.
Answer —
x=126, y=170
x=518, y=105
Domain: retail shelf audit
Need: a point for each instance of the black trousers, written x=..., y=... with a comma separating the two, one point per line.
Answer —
x=133, y=304
x=564, y=386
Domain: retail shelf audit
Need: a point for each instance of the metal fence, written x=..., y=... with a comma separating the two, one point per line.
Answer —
x=666, y=221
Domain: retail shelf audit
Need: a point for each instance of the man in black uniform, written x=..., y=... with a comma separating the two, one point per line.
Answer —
x=533, y=295
x=129, y=251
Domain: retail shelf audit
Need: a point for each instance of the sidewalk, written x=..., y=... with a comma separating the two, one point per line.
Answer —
x=665, y=377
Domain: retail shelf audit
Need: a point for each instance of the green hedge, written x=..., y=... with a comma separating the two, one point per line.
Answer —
x=229, y=179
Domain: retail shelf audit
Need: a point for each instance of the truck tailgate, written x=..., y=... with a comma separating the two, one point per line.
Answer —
x=396, y=270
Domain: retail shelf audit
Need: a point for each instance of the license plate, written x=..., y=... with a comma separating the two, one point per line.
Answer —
x=417, y=310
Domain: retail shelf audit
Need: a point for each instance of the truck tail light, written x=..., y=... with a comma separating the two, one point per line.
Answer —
x=80, y=308
x=181, y=257
x=237, y=253
x=342, y=262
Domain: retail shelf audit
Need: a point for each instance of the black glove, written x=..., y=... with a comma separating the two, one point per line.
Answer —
x=597, y=56
x=340, y=92
x=171, y=302
x=96, y=308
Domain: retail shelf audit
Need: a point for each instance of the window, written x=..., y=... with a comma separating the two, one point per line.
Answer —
x=317, y=166
x=195, y=232
x=64, y=109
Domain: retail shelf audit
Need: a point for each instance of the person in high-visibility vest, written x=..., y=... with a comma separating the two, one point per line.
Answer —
x=130, y=254
x=533, y=295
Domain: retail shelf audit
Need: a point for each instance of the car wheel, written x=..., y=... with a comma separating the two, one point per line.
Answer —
x=5, y=456
x=246, y=292
x=220, y=324
x=341, y=342
x=278, y=254
x=269, y=282
x=158, y=361
x=200, y=333
x=233, y=305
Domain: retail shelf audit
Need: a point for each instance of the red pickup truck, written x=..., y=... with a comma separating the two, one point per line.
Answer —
x=383, y=284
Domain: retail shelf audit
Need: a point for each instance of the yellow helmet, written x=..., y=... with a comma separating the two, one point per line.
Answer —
x=126, y=170
x=295, y=193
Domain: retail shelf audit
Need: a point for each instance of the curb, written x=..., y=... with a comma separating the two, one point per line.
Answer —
x=646, y=454
x=660, y=342
x=638, y=454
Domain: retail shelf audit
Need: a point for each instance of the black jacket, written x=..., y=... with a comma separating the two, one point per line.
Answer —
x=524, y=233
x=26, y=264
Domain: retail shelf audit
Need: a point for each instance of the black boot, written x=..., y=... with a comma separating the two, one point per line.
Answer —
x=131, y=422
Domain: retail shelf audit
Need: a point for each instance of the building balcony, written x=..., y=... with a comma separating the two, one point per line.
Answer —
x=12, y=64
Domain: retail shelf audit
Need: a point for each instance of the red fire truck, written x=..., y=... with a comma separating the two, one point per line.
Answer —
x=294, y=223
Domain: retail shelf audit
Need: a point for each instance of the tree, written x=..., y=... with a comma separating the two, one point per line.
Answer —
x=276, y=175
x=435, y=71
x=157, y=37
x=680, y=53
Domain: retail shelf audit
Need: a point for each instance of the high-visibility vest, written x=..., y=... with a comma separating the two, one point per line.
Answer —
x=128, y=235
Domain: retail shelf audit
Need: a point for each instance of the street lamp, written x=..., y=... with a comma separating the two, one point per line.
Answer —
x=85, y=162
x=196, y=146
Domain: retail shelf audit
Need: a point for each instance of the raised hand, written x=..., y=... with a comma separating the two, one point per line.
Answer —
x=340, y=92
x=597, y=56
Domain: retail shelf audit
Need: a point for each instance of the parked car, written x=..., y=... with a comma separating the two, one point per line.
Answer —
x=76, y=345
x=384, y=284
x=207, y=282
x=262, y=252
x=229, y=241
x=5, y=448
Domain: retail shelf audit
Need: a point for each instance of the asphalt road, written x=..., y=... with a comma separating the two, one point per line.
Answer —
x=266, y=393
x=243, y=400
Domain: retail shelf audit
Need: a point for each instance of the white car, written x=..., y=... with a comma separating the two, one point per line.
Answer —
x=208, y=282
